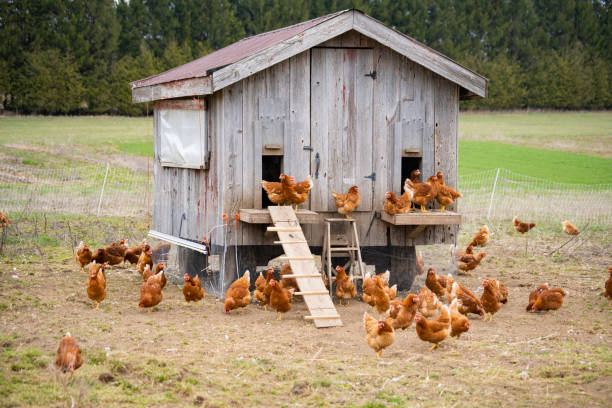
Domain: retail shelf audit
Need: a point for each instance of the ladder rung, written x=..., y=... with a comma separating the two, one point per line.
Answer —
x=290, y=242
x=314, y=275
x=339, y=219
x=284, y=229
x=321, y=317
x=344, y=249
x=323, y=292
x=295, y=258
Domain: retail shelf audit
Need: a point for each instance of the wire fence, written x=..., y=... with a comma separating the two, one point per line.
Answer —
x=493, y=195
x=89, y=190
x=498, y=195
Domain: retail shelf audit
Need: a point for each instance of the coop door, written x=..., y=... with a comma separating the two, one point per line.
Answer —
x=341, y=125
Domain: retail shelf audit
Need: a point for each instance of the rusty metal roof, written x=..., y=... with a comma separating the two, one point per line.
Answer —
x=230, y=54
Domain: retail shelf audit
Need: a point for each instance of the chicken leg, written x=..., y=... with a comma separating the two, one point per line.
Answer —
x=442, y=209
x=280, y=316
x=379, y=354
x=149, y=310
x=266, y=308
x=423, y=210
x=433, y=347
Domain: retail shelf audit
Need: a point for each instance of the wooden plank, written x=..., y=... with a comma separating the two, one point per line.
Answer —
x=362, y=117
x=257, y=216
x=324, y=292
x=232, y=150
x=415, y=218
x=314, y=275
x=321, y=317
x=421, y=54
x=174, y=89
x=283, y=50
x=277, y=229
x=319, y=131
x=318, y=304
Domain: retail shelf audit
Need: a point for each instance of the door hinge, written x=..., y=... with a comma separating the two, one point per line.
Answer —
x=371, y=176
x=308, y=148
x=371, y=74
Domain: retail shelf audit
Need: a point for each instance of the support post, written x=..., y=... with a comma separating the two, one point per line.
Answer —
x=492, y=194
x=102, y=192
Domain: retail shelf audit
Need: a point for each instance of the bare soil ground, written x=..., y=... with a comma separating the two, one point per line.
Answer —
x=198, y=356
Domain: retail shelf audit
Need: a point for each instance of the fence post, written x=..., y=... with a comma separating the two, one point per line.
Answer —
x=492, y=195
x=102, y=192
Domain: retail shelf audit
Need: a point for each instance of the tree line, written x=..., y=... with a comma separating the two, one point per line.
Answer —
x=78, y=56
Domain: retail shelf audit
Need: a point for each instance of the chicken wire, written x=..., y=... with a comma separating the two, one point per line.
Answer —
x=498, y=195
x=100, y=190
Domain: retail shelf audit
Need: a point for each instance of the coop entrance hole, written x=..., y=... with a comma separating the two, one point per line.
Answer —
x=409, y=164
x=271, y=169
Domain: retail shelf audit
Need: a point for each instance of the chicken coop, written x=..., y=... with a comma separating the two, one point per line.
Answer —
x=342, y=98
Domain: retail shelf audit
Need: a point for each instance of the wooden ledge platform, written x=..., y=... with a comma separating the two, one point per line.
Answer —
x=419, y=218
x=255, y=216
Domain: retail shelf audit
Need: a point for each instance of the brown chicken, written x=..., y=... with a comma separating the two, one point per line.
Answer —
x=96, y=284
x=434, y=284
x=391, y=291
x=502, y=289
x=469, y=303
x=379, y=334
x=369, y=284
x=102, y=255
x=428, y=303
x=151, y=292
x=288, y=283
x=490, y=298
x=118, y=250
x=420, y=264
x=160, y=251
x=238, y=294
x=549, y=299
x=262, y=287
x=469, y=262
x=415, y=176
x=392, y=205
x=481, y=238
x=608, y=288
x=274, y=190
x=522, y=227
x=535, y=294
x=280, y=298
x=147, y=273
x=132, y=254
x=4, y=220
x=569, y=228
x=68, y=357
x=459, y=322
x=423, y=193
x=446, y=194
x=192, y=289
x=83, y=255
x=402, y=312
x=434, y=331
x=347, y=203
x=380, y=297
x=345, y=288
x=145, y=259
x=299, y=192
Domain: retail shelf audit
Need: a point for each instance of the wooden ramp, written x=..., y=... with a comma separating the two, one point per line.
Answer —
x=308, y=278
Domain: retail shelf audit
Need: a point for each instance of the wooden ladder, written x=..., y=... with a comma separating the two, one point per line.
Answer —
x=308, y=278
x=346, y=249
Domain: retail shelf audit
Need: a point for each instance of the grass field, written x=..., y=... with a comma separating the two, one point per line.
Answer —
x=552, y=165
x=538, y=144
x=577, y=132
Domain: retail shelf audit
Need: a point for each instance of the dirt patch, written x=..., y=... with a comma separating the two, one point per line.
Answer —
x=183, y=355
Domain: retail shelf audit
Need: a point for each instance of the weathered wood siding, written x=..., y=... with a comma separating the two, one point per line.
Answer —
x=409, y=108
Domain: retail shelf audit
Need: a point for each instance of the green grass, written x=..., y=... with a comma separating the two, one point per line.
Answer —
x=578, y=132
x=553, y=165
x=98, y=133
